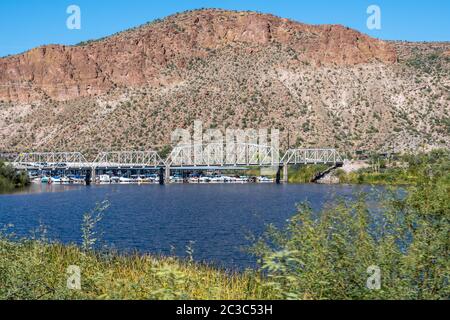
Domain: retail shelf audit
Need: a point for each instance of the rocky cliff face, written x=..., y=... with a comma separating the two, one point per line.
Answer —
x=137, y=57
x=323, y=85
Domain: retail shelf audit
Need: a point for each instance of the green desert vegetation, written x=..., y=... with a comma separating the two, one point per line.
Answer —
x=304, y=174
x=10, y=179
x=407, y=173
x=326, y=254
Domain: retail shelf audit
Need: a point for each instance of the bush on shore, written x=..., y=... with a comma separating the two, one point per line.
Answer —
x=304, y=174
x=406, y=174
x=331, y=255
x=10, y=179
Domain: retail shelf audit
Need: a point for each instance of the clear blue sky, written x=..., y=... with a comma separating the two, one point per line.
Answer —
x=25, y=24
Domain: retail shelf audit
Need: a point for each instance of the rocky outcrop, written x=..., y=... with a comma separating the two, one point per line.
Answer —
x=138, y=57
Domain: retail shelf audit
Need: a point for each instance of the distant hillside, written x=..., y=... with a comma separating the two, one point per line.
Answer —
x=327, y=85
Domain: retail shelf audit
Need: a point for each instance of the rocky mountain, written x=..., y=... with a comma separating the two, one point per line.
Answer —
x=324, y=85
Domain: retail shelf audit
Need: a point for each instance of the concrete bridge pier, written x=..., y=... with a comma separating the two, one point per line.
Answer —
x=161, y=175
x=285, y=173
x=278, y=177
x=94, y=174
x=88, y=180
x=167, y=175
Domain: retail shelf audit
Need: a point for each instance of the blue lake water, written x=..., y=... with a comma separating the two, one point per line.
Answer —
x=165, y=219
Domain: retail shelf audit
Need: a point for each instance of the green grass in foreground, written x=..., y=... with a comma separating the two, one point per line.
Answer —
x=35, y=270
x=325, y=255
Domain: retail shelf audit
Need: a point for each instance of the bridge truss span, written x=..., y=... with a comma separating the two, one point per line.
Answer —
x=128, y=159
x=312, y=156
x=219, y=154
x=51, y=160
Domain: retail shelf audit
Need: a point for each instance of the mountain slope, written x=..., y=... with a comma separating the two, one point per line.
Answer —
x=326, y=85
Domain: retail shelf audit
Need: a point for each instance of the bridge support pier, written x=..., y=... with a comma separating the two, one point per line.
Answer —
x=93, y=175
x=161, y=176
x=167, y=175
x=278, y=177
x=88, y=178
x=285, y=173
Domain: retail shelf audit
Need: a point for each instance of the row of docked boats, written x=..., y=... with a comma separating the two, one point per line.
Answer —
x=71, y=179
x=220, y=179
x=135, y=179
x=151, y=179
x=147, y=179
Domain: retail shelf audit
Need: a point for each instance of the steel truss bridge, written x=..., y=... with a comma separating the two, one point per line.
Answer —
x=192, y=156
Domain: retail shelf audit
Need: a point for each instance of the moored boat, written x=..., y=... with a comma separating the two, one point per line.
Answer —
x=176, y=179
x=104, y=179
x=65, y=180
x=115, y=179
x=264, y=180
x=77, y=179
x=55, y=179
x=194, y=180
x=205, y=179
x=124, y=180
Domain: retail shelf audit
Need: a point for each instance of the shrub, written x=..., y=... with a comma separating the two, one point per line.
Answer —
x=326, y=255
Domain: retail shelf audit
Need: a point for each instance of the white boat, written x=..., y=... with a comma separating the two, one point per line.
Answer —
x=242, y=179
x=65, y=180
x=217, y=179
x=176, y=179
x=124, y=180
x=144, y=180
x=104, y=179
x=205, y=179
x=264, y=180
x=77, y=179
x=56, y=180
x=194, y=180
x=115, y=179
x=154, y=178
x=227, y=179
